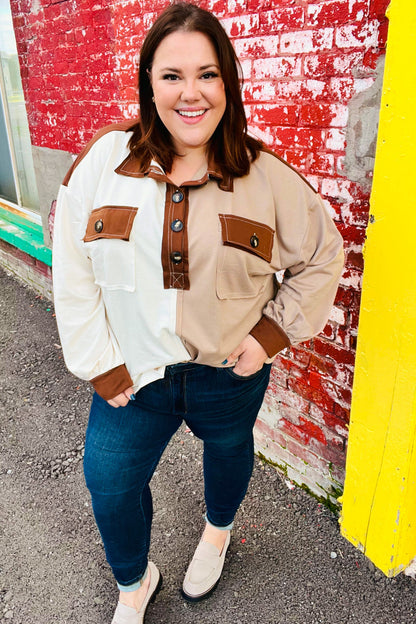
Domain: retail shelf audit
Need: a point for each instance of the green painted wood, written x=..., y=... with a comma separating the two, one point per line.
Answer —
x=24, y=235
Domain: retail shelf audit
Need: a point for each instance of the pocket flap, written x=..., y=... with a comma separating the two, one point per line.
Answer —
x=110, y=222
x=251, y=236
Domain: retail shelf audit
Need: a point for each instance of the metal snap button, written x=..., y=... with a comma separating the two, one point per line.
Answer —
x=176, y=225
x=176, y=257
x=98, y=226
x=177, y=197
x=254, y=241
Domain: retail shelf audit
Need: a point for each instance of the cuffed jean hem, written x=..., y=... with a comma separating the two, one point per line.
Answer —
x=221, y=528
x=133, y=586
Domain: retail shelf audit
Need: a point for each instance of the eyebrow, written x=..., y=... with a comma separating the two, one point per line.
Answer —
x=202, y=68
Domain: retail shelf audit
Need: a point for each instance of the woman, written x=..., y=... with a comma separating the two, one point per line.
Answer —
x=169, y=232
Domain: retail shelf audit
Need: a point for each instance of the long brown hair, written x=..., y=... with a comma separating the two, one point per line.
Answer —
x=230, y=142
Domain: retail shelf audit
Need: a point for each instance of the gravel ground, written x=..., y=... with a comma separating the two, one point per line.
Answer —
x=287, y=563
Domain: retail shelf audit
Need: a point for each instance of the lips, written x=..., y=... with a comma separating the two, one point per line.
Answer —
x=191, y=113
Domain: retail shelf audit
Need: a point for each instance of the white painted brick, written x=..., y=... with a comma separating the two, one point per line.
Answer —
x=263, y=91
x=351, y=279
x=331, y=211
x=240, y=26
x=269, y=415
x=279, y=455
x=300, y=472
x=342, y=431
x=323, y=39
x=246, y=67
x=235, y=6
x=315, y=87
x=267, y=90
x=263, y=134
x=313, y=180
x=289, y=90
x=266, y=46
x=338, y=189
x=335, y=140
x=280, y=67
x=317, y=414
x=338, y=316
x=130, y=111
x=291, y=399
x=148, y=20
x=340, y=165
x=298, y=42
x=349, y=36
x=313, y=12
x=345, y=64
x=340, y=117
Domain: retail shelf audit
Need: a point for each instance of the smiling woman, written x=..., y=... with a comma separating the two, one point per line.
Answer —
x=189, y=98
x=231, y=146
x=169, y=233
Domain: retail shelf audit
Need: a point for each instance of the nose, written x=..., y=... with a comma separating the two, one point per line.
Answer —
x=190, y=92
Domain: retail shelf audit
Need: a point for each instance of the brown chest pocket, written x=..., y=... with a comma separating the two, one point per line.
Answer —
x=110, y=222
x=112, y=253
x=244, y=258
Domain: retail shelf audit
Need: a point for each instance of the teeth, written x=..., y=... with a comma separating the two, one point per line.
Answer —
x=185, y=113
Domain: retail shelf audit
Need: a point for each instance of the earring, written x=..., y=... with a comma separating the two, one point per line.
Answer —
x=153, y=99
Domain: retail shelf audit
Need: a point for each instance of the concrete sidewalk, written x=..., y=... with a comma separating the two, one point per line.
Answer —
x=286, y=564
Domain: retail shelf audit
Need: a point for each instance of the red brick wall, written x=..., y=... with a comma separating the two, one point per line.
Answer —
x=303, y=61
x=308, y=62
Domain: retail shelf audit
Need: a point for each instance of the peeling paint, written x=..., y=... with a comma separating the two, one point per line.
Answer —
x=362, y=129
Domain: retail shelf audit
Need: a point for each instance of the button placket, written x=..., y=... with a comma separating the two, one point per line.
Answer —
x=177, y=227
x=175, y=239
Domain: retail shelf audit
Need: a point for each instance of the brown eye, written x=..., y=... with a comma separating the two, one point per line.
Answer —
x=209, y=75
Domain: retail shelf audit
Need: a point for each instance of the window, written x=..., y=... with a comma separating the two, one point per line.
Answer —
x=17, y=176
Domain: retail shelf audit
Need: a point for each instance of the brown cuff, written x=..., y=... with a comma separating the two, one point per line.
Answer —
x=113, y=382
x=270, y=335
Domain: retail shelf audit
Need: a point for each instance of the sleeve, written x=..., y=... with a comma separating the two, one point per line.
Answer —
x=89, y=347
x=303, y=302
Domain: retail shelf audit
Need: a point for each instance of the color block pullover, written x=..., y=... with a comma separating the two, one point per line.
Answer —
x=148, y=274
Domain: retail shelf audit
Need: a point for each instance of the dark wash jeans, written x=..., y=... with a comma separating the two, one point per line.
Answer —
x=124, y=445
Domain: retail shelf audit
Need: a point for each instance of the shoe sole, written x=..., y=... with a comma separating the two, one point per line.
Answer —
x=157, y=589
x=153, y=596
x=207, y=594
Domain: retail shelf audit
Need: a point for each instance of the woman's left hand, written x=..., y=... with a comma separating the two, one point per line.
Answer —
x=121, y=399
x=250, y=357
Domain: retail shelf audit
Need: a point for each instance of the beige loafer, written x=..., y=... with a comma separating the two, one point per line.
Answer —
x=128, y=615
x=204, y=571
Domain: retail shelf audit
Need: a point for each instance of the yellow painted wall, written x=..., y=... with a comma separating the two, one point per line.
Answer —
x=379, y=501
